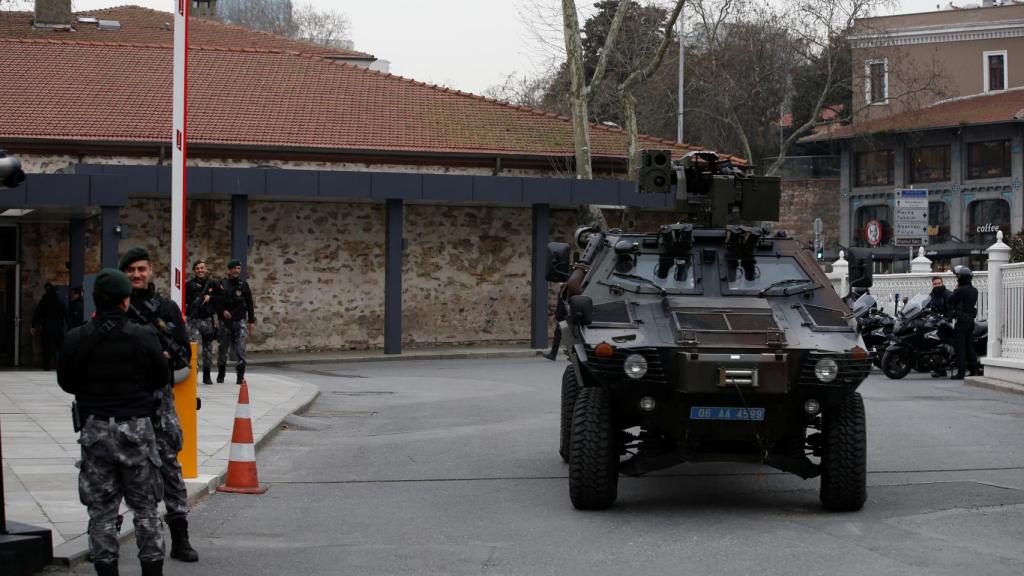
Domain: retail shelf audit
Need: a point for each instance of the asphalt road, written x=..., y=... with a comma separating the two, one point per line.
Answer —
x=451, y=467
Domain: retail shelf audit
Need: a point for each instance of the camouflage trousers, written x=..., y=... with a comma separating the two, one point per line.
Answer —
x=203, y=331
x=167, y=428
x=119, y=460
x=232, y=334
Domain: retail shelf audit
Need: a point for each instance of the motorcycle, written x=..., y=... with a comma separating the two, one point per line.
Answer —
x=873, y=325
x=922, y=340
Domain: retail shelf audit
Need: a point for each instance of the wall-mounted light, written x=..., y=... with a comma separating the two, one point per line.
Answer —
x=119, y=231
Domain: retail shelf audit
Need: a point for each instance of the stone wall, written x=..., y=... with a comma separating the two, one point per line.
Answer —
x=805, y=200
x=317, y=268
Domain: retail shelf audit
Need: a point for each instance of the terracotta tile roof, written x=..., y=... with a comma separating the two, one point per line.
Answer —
x=143, y=25
x=994, y=108
x=121, y=93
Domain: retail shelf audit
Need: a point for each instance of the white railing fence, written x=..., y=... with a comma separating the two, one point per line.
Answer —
x=886, y=288
x=1013, y=311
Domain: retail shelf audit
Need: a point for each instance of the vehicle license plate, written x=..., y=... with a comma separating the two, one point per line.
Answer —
x=724, y=413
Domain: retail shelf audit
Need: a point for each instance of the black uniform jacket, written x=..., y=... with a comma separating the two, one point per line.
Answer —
x=964, y=302
x=940, y=300
x=195, y=289
x=112, y=367
x=236, y=299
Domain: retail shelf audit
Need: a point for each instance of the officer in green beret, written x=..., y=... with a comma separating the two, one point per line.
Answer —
x=155, y=309
x=237, y=317
x=113, y=367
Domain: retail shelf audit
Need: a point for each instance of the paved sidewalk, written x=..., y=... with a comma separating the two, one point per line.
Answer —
x=434, y=353
x=40, y=448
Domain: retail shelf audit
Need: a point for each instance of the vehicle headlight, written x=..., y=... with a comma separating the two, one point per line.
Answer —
x=878, y=332
x=826, y=370
x=635, y=366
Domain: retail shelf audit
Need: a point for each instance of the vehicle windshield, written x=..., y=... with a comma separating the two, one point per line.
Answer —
x=679, y=276
x=913, y=308
x=863, y=305
x=762, y=273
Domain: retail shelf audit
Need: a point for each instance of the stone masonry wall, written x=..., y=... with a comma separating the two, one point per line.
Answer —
x=805, y=200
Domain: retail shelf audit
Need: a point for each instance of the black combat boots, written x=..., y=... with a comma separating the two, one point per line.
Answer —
x=106, y=568
x=180, y=548
x=239, y=374
x=220, y=373
x=206, y=375
x=153, y=568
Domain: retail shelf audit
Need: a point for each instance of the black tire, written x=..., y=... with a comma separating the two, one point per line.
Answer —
x=844, y=460
x=594, y=457
x=570, y=387
x=896, y=363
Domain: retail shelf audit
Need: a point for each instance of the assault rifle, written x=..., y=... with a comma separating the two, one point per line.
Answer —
x=179, y=356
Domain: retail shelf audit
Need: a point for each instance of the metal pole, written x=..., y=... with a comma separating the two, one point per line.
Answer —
x=682, y=80
x=179, y=151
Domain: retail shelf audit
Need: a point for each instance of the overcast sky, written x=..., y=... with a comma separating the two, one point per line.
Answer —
x=464, y=44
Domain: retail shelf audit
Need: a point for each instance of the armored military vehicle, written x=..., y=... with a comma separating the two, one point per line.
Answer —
x=709, y=340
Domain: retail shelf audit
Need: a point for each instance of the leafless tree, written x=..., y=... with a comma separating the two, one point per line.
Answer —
x=521, y=89
x=324, y=27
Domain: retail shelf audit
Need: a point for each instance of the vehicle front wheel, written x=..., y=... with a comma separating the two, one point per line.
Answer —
x=844, y=459
x=594, y=456
x=570, y=387
x=896, y=363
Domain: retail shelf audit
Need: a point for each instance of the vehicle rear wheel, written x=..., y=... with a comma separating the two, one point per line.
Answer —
x=594, y=456
x=570, y=387
x=896, y=363
x=844, y=459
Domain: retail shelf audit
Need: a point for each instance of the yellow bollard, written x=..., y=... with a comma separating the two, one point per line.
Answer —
x=186, y=403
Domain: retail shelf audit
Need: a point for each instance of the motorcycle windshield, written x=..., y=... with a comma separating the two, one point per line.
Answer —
x=915, y=306
x=863, y=305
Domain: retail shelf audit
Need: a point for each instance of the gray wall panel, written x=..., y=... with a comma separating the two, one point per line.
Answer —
x=344, y=184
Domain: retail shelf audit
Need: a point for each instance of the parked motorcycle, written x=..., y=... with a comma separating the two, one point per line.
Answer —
x=922, y=340
x=874, y=326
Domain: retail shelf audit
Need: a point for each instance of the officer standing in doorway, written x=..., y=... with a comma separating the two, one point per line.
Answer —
x=148, y=307
x=237, y=317
x=113, y=367
x=201, y=293
x=963, y=304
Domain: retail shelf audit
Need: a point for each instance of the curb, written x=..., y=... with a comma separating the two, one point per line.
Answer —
x=994, y=384
x=452, y=355
x=74, y=552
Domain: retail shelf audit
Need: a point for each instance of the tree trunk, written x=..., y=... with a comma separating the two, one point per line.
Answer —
x=577, y=91
x=631, y=215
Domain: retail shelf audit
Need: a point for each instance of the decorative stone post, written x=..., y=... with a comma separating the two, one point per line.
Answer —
x=921, y=263
x=998, y=255
x=842, y=267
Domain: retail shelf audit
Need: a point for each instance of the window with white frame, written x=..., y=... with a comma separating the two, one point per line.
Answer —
x=876, y=81
x=995, y=70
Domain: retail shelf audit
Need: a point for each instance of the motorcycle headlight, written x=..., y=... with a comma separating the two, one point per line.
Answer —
x=826, y=370
x=878, y=332
x=635, y=366
x=933, y=335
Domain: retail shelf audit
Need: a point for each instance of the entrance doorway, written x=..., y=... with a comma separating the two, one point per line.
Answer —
x=8, y=313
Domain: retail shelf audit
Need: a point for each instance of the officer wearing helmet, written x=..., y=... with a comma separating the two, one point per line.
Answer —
x=963, y=305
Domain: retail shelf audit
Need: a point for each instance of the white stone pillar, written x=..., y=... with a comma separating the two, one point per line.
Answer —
x=921, y=263
x=842, y=267
x=998, y=255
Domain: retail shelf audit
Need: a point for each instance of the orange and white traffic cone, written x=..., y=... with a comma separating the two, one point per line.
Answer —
x=242, y=477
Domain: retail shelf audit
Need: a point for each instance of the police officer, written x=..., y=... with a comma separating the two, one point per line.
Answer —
x=153, y=308
x=237, y=317
x=939, y=302
x=201, y=292
x=113, y=367
x=963, y=305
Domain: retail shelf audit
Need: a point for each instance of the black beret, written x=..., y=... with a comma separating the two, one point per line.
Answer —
x=233, y=263
x=112, y=283
x=133, y=255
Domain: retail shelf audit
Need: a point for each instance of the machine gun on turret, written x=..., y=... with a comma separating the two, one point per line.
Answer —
x=713, y=191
